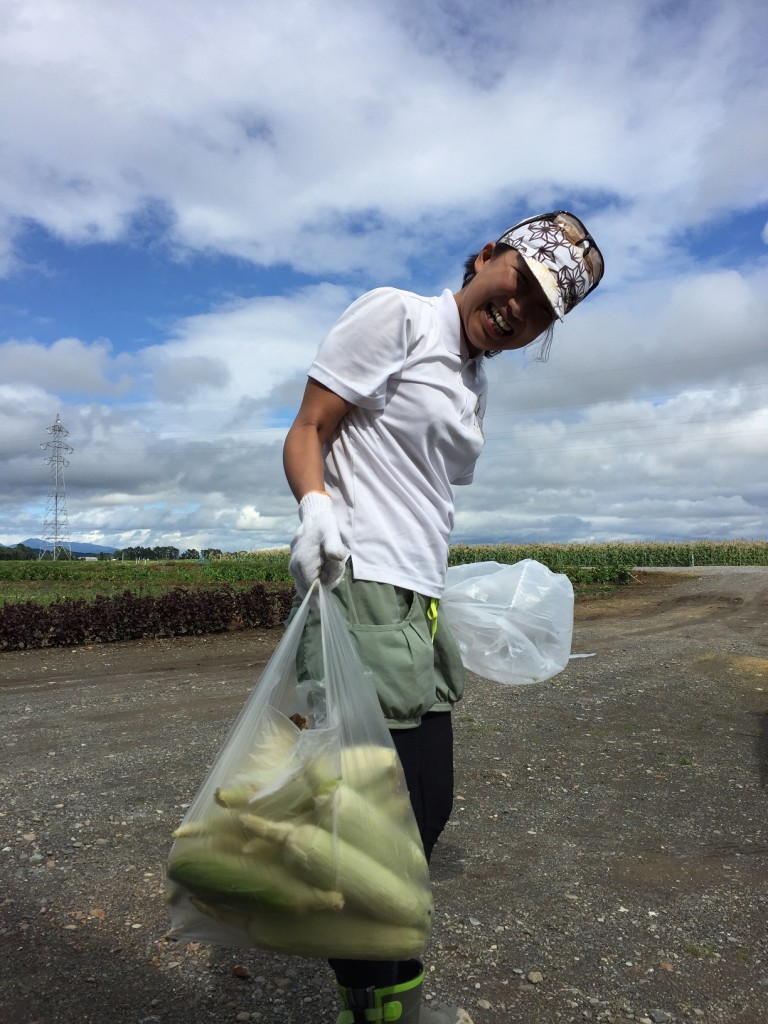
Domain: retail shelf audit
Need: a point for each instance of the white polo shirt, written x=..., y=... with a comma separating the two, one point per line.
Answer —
x=415, y=431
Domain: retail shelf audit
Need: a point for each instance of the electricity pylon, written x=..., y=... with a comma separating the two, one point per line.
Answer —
x=56, y=543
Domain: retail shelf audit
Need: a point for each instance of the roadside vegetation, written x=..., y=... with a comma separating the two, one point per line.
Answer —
x=65, y=602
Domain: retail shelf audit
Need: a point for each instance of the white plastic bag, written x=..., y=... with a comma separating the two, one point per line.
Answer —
x=302, y=838
x=513, y=623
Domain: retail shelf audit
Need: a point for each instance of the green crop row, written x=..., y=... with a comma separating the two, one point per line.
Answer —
x=271, y=567
x=560, y=557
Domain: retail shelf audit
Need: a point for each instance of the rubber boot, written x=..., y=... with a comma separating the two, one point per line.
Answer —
x=401, y=1002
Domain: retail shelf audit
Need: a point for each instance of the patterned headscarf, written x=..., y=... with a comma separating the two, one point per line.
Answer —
x=558, y=264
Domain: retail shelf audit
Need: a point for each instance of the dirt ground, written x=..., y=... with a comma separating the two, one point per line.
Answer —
x=607, y=859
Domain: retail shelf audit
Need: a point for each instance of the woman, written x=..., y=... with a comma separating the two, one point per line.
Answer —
x=390, y=422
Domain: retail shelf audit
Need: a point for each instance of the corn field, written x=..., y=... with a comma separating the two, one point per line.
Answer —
x=47, y=581
x=642, y=555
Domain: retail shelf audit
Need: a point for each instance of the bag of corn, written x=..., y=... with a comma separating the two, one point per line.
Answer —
x=301, y=839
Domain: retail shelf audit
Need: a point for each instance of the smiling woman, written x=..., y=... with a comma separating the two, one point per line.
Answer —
x=503, y=307
x=555, y=262
x=390, y=423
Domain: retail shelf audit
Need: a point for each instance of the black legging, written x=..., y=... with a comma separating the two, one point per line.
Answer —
x=426, y=754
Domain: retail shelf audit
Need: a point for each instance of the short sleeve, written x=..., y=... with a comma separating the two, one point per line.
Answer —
x=366, y=347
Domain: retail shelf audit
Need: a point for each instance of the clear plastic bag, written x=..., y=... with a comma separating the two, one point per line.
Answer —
x=513, y=623
x=302, y=838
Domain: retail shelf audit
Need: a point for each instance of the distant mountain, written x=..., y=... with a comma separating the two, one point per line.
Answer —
x=77, y=547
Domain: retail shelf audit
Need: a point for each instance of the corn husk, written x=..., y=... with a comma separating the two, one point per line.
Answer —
x=303, y=840
x=301, y=858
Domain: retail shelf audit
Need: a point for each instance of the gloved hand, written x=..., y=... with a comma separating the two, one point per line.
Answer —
x=317, y=549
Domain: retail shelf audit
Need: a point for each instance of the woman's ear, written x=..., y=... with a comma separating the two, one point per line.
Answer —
x=484, y=256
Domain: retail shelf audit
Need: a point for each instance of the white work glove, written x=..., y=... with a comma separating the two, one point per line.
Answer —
x=317, y=549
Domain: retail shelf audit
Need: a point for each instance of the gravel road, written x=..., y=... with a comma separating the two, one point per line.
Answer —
x=607, y=859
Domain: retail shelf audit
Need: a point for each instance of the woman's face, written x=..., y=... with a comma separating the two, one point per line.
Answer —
x=503, y=306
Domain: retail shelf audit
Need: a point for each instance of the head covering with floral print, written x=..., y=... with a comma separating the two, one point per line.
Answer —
x=563, y=259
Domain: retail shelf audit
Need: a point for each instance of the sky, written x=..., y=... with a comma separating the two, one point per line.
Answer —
x=192, y=192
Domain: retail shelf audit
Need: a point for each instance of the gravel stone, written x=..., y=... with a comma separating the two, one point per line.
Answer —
x=609, y=831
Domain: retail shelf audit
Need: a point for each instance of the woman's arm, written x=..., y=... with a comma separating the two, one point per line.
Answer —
x=320, y=413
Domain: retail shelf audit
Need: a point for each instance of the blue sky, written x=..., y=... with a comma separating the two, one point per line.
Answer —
x=191, y=193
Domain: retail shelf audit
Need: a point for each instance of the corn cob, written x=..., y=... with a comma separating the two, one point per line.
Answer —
x=363, y=767
x=214, y=827
x=285, y=797
x=359, y=822
x=327, y=861
x=174, y=893
x=192, y=830
x=275, y=749
x=369, y=765
x=220, y=830
x=227, y=878
x=234, y=916
x=322, y=934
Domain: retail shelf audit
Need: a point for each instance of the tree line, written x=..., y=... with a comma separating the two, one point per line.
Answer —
x=18, y=553
x=159, y=553
x=165, y=553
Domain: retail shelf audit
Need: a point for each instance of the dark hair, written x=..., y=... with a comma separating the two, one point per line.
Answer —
x=544, y=341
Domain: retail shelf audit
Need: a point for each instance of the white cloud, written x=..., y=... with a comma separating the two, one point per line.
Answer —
x=67, y=366
x=192, y=436
x=249, y=346
x=628, y=425
x=628, y=429
x=366, y=142
x=271, y=135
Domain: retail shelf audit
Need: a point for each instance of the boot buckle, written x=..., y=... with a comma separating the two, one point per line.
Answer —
x=390, y=1011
